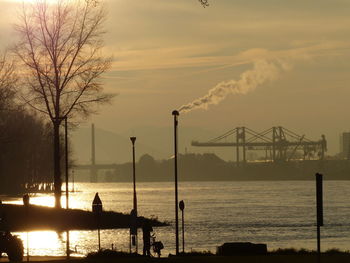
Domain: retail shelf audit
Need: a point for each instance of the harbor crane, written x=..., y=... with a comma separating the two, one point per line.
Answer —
x=279, y=144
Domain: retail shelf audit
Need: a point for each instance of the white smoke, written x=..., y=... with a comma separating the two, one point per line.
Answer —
x=263, y=72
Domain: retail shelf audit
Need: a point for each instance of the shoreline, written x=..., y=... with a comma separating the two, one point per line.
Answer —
x=18, y=218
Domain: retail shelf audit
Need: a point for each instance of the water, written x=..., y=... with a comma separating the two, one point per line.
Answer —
x=281, y=214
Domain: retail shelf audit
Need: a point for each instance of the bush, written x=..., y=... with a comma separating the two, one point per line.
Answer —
x=292, y=251
x=108, y=253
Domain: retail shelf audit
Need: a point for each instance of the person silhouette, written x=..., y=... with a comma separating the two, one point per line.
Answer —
x=146, y=231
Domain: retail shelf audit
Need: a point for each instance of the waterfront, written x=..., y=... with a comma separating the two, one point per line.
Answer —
x=279, y=213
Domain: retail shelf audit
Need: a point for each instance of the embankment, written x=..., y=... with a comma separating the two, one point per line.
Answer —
x=21, y=218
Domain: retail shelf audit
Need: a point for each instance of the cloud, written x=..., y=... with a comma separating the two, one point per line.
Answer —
x=200, y=56
x=268, y=66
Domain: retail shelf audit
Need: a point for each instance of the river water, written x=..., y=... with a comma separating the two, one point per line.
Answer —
x=281, y=214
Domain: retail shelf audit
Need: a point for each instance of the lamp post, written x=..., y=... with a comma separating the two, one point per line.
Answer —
x=319, y=210
x=26, y=207
x=182, y=208
x=133, y=139
x=67, y=177
x=175, y=113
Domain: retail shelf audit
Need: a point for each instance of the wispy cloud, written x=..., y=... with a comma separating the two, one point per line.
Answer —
x=185, y=57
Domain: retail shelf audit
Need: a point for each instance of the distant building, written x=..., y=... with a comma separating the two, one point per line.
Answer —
x=345, y=145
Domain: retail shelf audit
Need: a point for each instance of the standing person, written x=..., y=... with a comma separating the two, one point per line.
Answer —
x=146, y=231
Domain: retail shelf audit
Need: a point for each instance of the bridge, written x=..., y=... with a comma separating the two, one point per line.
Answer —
x=280, y=144
x=93, y=167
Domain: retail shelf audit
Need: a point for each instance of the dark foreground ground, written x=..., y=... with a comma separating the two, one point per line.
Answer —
x=203, y=259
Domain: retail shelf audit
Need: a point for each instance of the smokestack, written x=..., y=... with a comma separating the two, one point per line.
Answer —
x=93, y=170
x=93, y=144
x=175, y=113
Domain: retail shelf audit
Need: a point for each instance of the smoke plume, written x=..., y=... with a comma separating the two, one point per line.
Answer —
x=263, y=72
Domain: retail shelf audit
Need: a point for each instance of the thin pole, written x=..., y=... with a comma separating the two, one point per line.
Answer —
x=176, y=113
x=183, y=231
x=129, y=244
x=274, y=144
x=73, y=181
x=27, y=246
x=133, y=139
x=66, y=160
x=318, y=243
x=99, y=238
x=67, y=176
x=237, y=147
x=243, y=142
x=319, y=208
x=27, y=214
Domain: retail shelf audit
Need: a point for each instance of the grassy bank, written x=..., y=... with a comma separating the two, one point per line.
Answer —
x=276, y=256
x=20, y=218
x=204, y=259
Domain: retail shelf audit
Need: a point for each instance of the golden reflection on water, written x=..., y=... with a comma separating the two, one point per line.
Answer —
x=45, y=240
x=46, y=243
x=48, y=200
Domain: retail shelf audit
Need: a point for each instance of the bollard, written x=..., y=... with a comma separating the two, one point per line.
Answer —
x=97, y=210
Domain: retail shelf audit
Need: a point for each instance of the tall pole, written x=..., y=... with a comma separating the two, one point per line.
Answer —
x=175, y=113
x=66, y=159
x=183, y=231
x=319, y=211
x=244, y=148
x=67, y=176
x=274, y=144
x=237, y=147
x=182, y=208
x=133, y=139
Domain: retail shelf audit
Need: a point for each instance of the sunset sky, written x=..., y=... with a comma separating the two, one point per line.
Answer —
x=170, y=52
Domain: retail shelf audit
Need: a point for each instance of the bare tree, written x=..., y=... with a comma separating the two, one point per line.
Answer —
x=60, y=49
x=8, y=81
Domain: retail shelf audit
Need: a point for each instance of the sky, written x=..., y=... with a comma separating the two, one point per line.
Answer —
x=168, y=53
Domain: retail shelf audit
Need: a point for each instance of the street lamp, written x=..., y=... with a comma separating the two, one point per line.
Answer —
x=67, y=176
x=60, y=119
x=133, y=139
x=182, y=208
x=66, y=159
x=175, y=113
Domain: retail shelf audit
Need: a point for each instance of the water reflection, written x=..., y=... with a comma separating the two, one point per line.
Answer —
x=49, y=200
x=43, y=242
x=281, y=214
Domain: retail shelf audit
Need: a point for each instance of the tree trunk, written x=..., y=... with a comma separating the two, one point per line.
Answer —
x=57, y=163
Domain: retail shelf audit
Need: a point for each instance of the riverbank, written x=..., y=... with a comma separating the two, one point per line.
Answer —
x=19, y=218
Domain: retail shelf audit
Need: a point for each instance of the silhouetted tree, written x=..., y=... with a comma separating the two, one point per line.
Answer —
x=23, y=138
x=60, y=50
x=8, y=81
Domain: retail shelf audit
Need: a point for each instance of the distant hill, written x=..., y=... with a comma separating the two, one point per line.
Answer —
x=112, y=147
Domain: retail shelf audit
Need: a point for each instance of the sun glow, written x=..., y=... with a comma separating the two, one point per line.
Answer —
x=49, y=201
x=33, y=1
